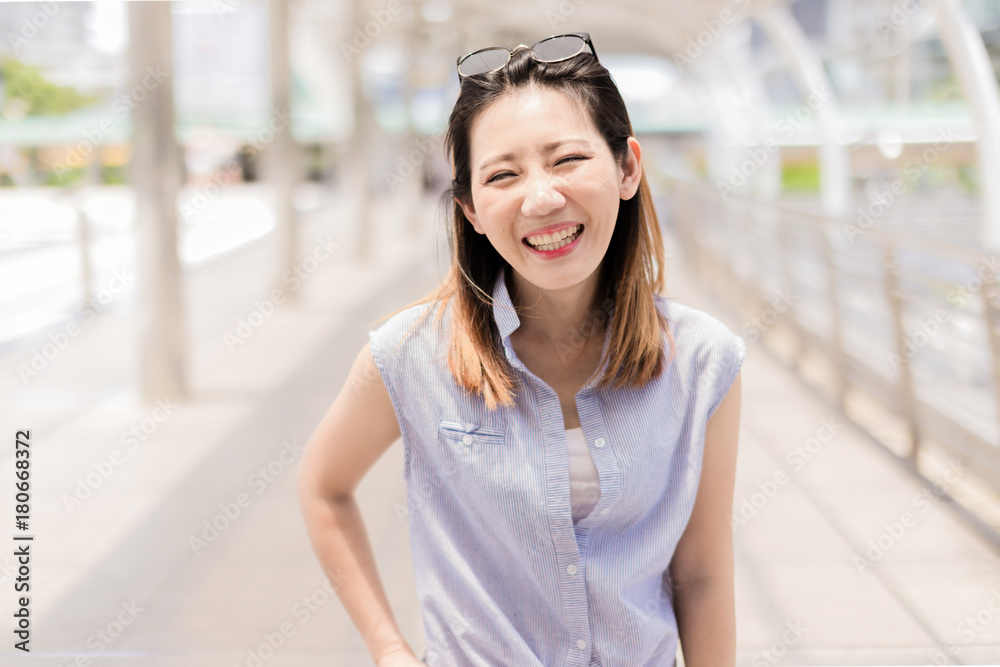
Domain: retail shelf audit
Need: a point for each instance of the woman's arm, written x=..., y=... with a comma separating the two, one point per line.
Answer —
x=702, y=565
x=357, y=429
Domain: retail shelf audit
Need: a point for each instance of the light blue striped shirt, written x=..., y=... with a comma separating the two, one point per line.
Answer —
x=503, y=575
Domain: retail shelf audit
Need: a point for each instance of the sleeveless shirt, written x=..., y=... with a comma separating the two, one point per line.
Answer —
x=504, y=574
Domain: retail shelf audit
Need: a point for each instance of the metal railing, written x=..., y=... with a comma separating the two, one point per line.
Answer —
x=860, y=313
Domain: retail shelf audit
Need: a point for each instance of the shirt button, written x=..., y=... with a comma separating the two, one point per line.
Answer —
x=605, y=510
x=571, y=568
x=580, y=644
x=467, y=439
x=599, y=442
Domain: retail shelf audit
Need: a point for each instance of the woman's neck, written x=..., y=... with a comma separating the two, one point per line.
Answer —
x=557, y=317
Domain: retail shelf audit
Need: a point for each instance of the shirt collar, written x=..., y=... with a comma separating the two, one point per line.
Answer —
x=504, y=313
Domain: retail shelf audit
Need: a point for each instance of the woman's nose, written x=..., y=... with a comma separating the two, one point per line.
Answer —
x=541, y=197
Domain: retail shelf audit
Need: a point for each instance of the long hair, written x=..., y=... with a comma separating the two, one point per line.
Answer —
x=630, y=273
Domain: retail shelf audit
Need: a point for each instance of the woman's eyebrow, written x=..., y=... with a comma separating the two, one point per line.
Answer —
x=547, y=148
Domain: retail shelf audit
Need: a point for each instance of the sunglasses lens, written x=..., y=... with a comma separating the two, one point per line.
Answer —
x=559, y=48
x=484, y=61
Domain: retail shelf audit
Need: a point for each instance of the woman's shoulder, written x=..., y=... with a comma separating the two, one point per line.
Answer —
x=416, y=324
x=709, y=354
x=686, y=317
x=406, y=317
x=698, y=332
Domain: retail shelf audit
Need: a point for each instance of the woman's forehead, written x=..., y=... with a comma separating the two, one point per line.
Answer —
x=534, y=99
x=527, y=112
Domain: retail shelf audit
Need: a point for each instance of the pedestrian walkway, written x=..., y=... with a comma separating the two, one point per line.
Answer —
x=187, y=546
x=842, y=557
x=190, y=549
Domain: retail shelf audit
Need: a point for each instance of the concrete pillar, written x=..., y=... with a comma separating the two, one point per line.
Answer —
x=361, y=154
x=155, y=173
x=281, y=164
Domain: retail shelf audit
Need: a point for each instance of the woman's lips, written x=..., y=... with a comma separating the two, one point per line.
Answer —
x=557, y=228
x=577, y=230
x=560, y=251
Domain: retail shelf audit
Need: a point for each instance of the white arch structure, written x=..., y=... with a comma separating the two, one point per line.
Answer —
x=807, y=68
x=968, y=57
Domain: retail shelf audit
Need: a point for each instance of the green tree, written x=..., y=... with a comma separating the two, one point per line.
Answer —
x=25, y=82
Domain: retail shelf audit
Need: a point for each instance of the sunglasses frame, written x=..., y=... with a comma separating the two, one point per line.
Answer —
x=585, y=36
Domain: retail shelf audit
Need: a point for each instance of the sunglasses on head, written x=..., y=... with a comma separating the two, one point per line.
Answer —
x=549, y=50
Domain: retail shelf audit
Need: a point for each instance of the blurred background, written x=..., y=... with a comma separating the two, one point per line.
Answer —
x=206, y=205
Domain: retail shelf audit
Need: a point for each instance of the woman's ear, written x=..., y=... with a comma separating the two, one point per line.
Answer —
x=470, y=214
x=630, y=170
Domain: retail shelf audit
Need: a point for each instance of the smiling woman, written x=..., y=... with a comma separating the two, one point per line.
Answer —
x=573, y=180
x=569, y=433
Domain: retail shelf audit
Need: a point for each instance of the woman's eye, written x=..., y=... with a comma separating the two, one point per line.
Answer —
x=496, y=177
x=571, y=157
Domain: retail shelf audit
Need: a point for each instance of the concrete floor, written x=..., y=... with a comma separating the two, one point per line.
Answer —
x=128, y=545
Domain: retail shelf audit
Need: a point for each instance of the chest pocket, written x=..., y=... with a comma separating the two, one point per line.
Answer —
x=491, y=471
x=470, y=434
x=470, y=450
x=482, y=460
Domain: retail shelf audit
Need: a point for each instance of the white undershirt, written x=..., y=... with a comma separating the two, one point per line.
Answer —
x=584, y=482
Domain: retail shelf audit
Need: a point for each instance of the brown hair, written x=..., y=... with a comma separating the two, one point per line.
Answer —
x=635, y=255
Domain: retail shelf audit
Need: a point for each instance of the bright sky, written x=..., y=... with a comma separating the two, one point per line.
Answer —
x=108, y=31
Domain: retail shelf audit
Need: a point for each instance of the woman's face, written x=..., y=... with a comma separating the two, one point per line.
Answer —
x=545, y=186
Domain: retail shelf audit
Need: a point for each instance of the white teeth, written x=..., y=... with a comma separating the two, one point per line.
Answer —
x=543, y=241
x=549, y=242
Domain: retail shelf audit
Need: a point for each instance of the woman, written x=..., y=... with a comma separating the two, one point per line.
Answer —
x=569, y=478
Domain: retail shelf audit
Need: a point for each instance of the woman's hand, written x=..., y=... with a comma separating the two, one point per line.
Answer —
x=400, y=658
